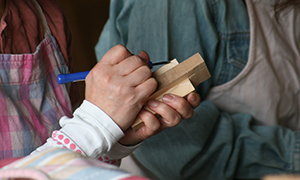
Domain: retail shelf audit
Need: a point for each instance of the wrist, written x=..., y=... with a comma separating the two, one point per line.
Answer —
x=129, y=142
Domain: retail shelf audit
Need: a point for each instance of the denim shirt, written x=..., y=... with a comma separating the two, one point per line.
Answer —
x=212, y=144
x=174, y=29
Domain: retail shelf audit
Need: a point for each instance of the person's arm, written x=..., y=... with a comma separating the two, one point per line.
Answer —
x=84, y=133
x=116, y=89
x=90, y=131
x=172, y=110
x=212, y=144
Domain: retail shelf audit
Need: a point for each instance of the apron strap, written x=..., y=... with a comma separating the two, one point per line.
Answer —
x=43, y=20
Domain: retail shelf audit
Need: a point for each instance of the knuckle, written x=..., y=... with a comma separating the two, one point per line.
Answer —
x=153, y=82
x=120, y=48
x=151, y=124
x=106, y=78
x=174, y=121
x=189, y=115
x=177, y=119
x=146, y=72
x=140, y=61
x=131, y=99
x=181, y=105
x=137, y=59
x=119, y=89
x=154, y=128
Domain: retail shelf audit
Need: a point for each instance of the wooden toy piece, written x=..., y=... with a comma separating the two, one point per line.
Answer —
x=182, y=89
x=282, y=177
x=178, y=79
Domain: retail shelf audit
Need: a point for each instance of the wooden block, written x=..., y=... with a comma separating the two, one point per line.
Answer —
x=182, y=89
x=282, y=177
x=178, y=79
x=193, y=68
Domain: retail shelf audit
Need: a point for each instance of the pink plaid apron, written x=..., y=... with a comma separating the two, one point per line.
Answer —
x=31, y=100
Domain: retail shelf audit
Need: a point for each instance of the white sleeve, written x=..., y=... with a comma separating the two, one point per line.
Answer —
x=91, y=132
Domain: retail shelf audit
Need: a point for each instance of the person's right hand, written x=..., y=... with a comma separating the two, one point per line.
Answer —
x=172, y=110
x=119, y=85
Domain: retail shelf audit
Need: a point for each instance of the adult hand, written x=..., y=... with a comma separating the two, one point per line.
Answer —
x=120, y=85
x=172, y=110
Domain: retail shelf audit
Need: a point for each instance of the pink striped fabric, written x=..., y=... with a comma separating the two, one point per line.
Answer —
x=58, y=163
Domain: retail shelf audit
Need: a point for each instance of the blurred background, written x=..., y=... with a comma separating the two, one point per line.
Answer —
x=86, y=19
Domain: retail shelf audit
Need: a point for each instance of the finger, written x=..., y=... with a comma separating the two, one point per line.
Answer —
x=146, y=88
x=116, y=55
x=131, y=64
x=151, y=124
x=139, y=76
x=194, y=99
x=169, y=116
x=144, y=55
x=134, y=62
x=151, y=127
x=181, y=105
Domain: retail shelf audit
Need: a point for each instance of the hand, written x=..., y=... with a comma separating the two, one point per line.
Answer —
x=172, y=110
x=120, y=85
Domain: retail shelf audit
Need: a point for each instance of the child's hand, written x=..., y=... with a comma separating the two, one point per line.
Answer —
x=172, y=110
x=120, y=84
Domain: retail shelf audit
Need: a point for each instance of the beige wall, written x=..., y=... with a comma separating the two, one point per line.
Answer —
x=86, y=19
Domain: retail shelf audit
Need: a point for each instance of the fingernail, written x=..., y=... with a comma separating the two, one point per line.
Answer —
x=153, y=103
x=193, y=98
x=168, y=98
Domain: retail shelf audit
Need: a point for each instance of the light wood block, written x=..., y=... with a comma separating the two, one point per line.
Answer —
x=178, y=79
x=282, y=177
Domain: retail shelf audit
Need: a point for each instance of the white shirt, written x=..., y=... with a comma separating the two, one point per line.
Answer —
x=92, y=133
x=268, y=88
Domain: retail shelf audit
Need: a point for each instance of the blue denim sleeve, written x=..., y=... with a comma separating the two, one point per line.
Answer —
x=218, y=30
x=164, y=29
x=215, y=145
x=116, y=28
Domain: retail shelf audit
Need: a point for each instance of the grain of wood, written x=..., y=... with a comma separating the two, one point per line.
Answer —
x=178, y=79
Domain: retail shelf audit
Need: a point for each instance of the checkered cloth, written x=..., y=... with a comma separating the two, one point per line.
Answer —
x=31, y=100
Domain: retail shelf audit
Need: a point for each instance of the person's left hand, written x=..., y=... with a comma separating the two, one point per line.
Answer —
x=172, y=110
x=120, y=84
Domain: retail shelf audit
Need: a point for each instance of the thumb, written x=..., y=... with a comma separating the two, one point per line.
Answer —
x=194, y=99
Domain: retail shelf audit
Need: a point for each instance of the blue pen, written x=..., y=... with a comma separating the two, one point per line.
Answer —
x=80, y=76
x=73, y=77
